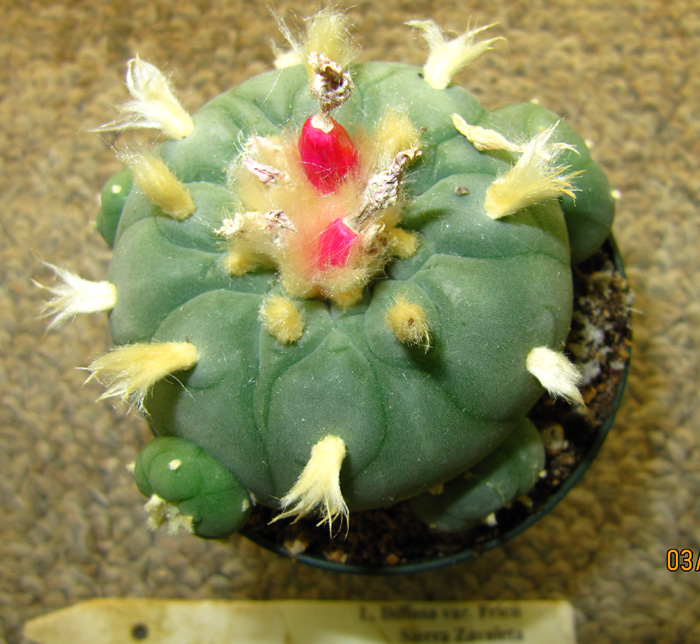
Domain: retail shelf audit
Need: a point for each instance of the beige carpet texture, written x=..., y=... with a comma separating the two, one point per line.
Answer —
x=72, y=526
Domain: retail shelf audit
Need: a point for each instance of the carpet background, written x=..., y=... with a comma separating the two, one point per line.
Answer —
x=71, y=525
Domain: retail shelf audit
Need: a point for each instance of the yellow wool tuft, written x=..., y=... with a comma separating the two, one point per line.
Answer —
x=318, y=486
x=346, y=299
x=130, y=371
x=161, y=512
x=298, y=286
x=394, y=134
x=535, y=178
x=160, y=185
x=282, y=319
x=436, y=489
x=238, y=263
x=484, y=139
x=408, y=322
x=402, y=243
x=285, y=57
x=75, y=295
x=327, y=33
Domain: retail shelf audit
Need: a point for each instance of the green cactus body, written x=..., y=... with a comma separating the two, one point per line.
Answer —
x=493, y=483
x=411, y=414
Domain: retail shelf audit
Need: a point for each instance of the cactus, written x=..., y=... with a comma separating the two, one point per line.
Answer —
x=340, y=285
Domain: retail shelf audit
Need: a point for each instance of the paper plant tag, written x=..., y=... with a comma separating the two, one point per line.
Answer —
x=156, y=621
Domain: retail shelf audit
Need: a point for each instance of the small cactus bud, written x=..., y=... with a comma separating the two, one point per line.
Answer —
x=327, y=153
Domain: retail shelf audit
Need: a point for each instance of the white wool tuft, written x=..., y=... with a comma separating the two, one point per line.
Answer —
x=557, y=374
x=153, y=104
x=161, y=512
x=447, y=57
x=535, y=178
x=75, y=295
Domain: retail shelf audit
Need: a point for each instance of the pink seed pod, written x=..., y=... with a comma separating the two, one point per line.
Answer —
x=329, y=156
x=335, y=244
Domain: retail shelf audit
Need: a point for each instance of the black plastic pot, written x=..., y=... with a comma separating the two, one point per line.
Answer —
x=472, y=549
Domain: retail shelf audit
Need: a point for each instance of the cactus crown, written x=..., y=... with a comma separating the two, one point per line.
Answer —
x=315, y=204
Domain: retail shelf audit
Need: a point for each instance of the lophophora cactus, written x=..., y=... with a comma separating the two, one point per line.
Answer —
x=340, y=285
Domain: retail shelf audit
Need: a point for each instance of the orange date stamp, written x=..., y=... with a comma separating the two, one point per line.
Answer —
x=685, y=560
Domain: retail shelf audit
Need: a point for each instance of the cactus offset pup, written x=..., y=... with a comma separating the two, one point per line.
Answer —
x=340, y=285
